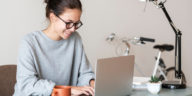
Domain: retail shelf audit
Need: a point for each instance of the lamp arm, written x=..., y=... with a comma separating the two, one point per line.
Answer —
x=178, y=35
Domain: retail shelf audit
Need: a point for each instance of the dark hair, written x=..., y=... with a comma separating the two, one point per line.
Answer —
x=58, y=6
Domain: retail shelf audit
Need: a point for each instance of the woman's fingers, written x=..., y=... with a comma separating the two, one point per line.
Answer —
x=89, y=89
x=86, y=90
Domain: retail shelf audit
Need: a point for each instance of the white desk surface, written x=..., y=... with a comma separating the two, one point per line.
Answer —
x=165, y=92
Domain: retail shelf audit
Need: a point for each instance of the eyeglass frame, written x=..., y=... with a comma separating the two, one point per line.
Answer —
x=67, y=23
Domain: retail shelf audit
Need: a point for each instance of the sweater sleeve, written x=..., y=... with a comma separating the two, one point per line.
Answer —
x=28, y=82
x=85, y=72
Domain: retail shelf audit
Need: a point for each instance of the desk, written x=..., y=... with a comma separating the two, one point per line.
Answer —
x=165, y=92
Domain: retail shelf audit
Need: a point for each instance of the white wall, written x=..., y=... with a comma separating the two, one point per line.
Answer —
x=126, y=18
x=102, y=17
x=16, y=19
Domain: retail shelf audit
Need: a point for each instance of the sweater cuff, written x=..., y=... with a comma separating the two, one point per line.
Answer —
x=50, y=88
x=86, y=80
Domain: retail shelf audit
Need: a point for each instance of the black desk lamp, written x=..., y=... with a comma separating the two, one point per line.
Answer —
x=178, y=34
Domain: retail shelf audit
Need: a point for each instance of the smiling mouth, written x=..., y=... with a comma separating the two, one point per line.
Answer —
x=67, y=33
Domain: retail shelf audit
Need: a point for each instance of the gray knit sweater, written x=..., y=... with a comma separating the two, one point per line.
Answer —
x=44, y=63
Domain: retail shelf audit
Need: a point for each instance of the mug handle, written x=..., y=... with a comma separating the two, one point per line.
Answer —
x=54, y=94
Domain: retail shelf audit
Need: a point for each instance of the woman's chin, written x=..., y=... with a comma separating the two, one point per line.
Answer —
x=65, y=37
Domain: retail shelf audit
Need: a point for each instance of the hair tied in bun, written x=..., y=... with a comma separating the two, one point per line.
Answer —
x=47, y=1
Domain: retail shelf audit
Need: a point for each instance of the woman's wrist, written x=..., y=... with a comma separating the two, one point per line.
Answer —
x=92, y=83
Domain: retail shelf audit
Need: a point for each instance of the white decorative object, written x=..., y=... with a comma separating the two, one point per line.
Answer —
x=154, y=88
x=140, y=82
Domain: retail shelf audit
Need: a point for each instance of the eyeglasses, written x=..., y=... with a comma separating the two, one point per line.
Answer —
x=69, y=25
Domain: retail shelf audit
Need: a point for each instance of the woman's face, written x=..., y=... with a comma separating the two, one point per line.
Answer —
x=69, y=15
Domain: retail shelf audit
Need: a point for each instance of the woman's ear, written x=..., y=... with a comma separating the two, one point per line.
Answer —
x=52, y=17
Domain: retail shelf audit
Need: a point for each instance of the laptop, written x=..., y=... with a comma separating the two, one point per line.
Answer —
x=114, y=76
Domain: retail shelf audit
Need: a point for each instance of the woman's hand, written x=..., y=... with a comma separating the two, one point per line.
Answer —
x=86, y=90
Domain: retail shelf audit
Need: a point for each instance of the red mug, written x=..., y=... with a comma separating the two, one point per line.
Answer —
x=60, y=90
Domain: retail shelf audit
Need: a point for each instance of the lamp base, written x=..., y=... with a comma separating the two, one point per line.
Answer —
x=173, y=85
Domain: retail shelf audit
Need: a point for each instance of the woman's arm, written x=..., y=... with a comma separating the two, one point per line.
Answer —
x=28, y=80
x=85, y=72
x=85, y=69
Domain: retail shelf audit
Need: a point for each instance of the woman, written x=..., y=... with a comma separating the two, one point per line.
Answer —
x=55, y=56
